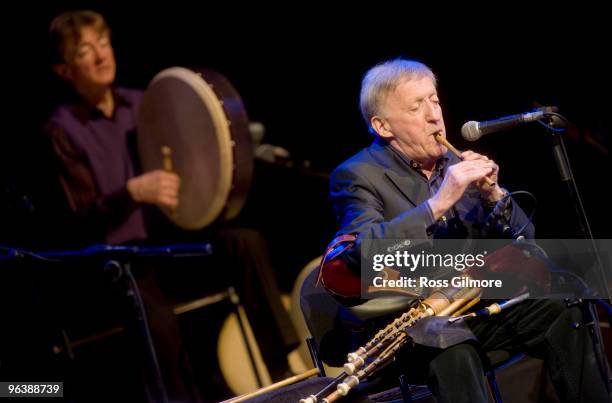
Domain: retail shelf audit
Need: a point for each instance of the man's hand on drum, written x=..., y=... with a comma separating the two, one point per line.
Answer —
x=156, y=187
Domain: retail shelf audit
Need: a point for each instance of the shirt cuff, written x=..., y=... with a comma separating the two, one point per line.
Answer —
x=430, y=220
x=491, y=204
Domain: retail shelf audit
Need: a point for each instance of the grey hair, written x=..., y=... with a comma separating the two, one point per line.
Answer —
x=383, y=79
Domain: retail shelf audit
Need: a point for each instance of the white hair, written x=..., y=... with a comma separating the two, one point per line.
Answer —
x=383, y=79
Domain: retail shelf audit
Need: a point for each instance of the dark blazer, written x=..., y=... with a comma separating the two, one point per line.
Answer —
x=376, y=194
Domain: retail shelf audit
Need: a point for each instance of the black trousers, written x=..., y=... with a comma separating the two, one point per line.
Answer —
x=176, y=373
x=79, y=300
x=242, y=254
x=240, y=259
x=539, y=328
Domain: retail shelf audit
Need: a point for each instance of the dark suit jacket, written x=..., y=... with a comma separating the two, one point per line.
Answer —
x=376, y=194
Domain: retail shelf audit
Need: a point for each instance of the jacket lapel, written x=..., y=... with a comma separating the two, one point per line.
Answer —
x=409, y=183
x=412, y=187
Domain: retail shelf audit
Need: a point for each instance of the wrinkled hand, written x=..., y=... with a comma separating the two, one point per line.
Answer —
x=489, y=193
x=156, y=187
x=473, y=168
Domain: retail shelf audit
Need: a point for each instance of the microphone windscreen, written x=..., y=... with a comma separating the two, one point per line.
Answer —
x=470, y=131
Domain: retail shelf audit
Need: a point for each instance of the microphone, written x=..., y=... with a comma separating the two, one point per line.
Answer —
x=472, y=130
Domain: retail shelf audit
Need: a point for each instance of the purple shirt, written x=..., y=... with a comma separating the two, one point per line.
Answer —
x=96, y=158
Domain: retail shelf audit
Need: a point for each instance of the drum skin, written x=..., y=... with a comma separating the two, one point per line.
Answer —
x=200, y=116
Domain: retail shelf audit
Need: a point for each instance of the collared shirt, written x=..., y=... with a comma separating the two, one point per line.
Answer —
x=96, y=158
x=449, y=224
x=445, y=225
x=437, y=175
x=434, y=182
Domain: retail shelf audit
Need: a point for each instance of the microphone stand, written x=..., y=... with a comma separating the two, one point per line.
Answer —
x=590, y=318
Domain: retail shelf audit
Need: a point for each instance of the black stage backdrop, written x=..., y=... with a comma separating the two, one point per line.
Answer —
x=298, y=69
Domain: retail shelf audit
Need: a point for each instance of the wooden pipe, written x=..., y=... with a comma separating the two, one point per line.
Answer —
x=274, y=386
x=445, y=143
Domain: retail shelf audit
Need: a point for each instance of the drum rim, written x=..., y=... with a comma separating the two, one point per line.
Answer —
x=223, y=140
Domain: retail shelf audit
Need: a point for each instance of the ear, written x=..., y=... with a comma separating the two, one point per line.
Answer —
x=63, y=71
x=381, y=127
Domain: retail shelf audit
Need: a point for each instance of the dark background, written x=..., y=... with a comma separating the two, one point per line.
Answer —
x=298, y=70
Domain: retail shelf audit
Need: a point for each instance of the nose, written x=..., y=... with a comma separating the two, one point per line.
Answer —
x=100, y=53
x=433, y=111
